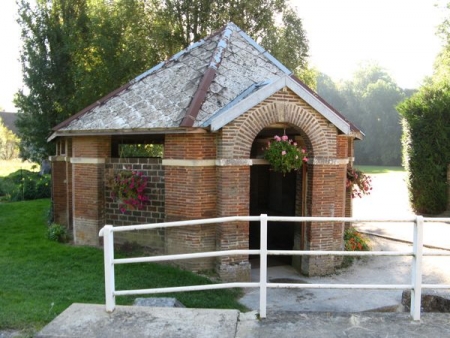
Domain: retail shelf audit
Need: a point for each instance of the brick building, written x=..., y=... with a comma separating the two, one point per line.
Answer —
x=212, y=106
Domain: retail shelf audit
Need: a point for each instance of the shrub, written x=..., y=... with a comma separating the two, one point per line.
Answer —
x=57, y=233
x=426, y=147
x=25, y=185
x=353, y=241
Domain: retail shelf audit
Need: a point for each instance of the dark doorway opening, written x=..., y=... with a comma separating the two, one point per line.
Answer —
x=273, y=194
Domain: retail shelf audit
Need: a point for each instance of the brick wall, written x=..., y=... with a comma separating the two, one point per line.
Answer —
x=154, y=210
x=326, y=195
x=88, y=166
x=62, y=186
x=286, y=107
x=190, y=193
x=207, y=175
x=233, y=199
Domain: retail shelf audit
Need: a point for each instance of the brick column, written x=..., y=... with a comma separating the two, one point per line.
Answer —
x=88, y=171
x=233, y=194
x=190, y=193
x=62, y=184
x=328, y=200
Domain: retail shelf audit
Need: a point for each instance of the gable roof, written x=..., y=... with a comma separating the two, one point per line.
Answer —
x=200, y=87
x=9, y=120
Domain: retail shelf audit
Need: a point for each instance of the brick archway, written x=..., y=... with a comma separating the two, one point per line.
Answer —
x=326, y=175
x=319, y=135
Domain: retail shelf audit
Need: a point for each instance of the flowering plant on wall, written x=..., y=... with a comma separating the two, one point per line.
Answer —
x=359, y=183
x=128, y=189
x=284, y=155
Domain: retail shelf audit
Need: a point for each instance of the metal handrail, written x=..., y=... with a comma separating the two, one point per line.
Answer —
x=416, y=286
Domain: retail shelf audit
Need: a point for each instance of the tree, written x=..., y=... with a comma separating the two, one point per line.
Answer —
x=426, y=136
x=76, y=51
x=369, y=101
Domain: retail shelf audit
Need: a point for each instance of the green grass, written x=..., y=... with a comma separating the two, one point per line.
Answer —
x=10, y=166
x=373, y=169
x=39, y=278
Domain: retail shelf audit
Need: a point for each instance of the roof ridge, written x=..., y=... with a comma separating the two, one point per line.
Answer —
x=202, y=90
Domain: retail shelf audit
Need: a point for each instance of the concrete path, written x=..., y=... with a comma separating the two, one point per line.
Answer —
x=389, y=198
x=91, y=321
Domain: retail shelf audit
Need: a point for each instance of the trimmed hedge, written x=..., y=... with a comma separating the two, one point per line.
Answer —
x=25, y=185
x=426, y=147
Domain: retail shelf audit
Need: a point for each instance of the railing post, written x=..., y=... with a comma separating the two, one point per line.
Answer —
x=263, y=268
x=108, y=253
x=416, y=292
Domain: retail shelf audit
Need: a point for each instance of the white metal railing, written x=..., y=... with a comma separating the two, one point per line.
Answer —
x=416, y=286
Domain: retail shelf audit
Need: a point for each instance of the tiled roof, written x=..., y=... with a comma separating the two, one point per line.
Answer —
x=185, y=91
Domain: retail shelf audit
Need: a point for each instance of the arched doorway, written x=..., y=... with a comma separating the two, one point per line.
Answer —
x=275, y=194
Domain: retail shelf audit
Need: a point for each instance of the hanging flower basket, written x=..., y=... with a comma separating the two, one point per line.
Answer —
x=284, y=155
x=128, y=190
x=358, y=183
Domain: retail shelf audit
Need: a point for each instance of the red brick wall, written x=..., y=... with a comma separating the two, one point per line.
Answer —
x=238, y=136
x=62, y=186
x=326, y=194
x=88, y=187
x=233, y=199
x=59, y=191
x=191, y=193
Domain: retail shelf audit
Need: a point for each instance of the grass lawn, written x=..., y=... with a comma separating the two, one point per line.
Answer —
x=10, y=166
x=39, y=278
x=373, y=169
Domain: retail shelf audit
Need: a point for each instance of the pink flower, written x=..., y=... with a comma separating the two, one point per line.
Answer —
x=303, y=150
x=277, y=138
x=305, y=159
x=295, y=143
x=283, y=152
x=284, y=137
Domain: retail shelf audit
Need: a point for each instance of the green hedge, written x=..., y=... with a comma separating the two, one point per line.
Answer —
x=25, y=185
x=426, y=147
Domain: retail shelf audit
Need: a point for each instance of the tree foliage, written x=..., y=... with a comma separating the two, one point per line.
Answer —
x=426, y=138
x=76, y=51
x=369, y=101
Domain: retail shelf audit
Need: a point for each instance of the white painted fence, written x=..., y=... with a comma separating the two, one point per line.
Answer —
x=416, y=286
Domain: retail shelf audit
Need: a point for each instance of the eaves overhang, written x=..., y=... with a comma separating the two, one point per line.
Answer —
x=114, y=132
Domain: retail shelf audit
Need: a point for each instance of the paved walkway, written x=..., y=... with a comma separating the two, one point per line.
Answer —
x=88, y=321
x=389, y=198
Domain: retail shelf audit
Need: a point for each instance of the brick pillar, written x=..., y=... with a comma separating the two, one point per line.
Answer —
x=348, y=192
x=327, y=199
x=233, y=195
x=88, y=172
x=190, y=193
x=62, y=184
